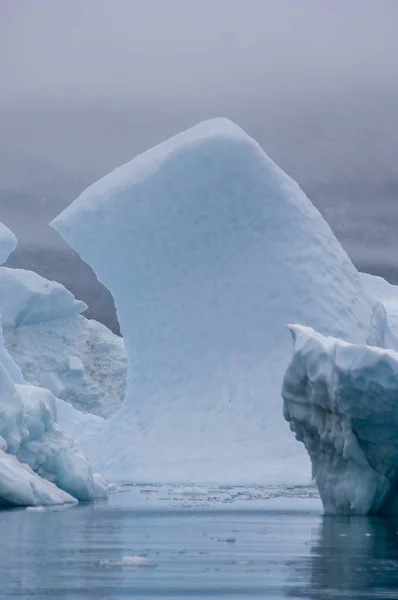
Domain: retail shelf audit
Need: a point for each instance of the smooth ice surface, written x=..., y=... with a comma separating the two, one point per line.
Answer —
x=209, y=249
x=341, y=401
x=39, y=463
x=47, y=338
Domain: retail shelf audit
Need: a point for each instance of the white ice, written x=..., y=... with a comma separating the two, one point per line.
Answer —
x=80, y=361
x=387, y=294
x=341, y=402
x=39, y=463
x=209, y=249
x=35, y=299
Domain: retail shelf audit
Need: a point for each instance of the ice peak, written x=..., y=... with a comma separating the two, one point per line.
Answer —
x=209, y=249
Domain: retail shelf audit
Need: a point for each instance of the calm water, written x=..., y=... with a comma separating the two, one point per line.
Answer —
x=198, y=543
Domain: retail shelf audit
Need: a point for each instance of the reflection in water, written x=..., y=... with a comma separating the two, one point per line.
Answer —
x=208, y=546
x=41, y=551
x=352, y=557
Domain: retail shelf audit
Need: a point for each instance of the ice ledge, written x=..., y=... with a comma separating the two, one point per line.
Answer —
x=341, y=401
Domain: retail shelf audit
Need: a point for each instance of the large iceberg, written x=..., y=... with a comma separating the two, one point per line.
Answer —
x=209, y=249
x=341, y=402
x=79, y=360
x=39, y=463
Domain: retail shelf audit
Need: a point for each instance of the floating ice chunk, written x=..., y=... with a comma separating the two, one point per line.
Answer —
x=128, y=561
x=191, y=491
x=137, y=561
x=341, y=401
x=39, y=464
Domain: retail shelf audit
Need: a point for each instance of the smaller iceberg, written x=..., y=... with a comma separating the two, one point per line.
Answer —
x=55, y=347
x=341, y=401
x=39, y=463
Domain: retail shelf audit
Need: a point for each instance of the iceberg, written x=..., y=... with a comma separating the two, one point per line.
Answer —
x=39, y=463
x=54, y=346
x=340, y=400
x=209, y=249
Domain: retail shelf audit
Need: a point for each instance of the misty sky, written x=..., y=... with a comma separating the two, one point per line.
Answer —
x=124, y=49
x=87, y=84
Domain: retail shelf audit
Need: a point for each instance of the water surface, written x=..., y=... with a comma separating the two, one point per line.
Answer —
x=197, y=543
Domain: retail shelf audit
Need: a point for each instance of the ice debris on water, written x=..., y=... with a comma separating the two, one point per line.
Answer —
x=129, y=561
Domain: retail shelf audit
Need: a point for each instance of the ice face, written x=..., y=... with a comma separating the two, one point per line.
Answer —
x=39, y=463
x=341, y=401
x=209, y=249
x=26, y=299
x=41, y=319
x=80, y=361
x=20, y=486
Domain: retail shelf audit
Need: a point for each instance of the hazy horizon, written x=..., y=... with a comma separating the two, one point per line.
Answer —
x=88, y=84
